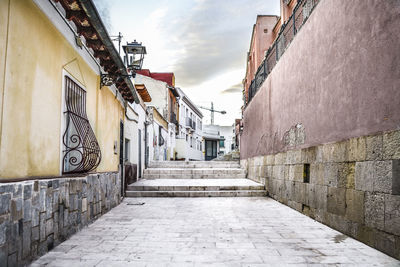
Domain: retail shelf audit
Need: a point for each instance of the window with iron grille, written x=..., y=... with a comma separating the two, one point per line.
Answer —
x=81, y=152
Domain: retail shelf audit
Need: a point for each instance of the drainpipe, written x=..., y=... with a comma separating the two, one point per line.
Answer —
x=126, y=114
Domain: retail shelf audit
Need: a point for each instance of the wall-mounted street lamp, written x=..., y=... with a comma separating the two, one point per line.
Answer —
x=134, y=55
x=133, y=61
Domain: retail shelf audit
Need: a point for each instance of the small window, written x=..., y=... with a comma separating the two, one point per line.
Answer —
x=127, y=149
x=222, y=141
x=306, y=173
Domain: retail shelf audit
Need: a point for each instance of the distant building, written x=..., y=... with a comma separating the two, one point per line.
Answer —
x=189, y=141
x=212, y=138
x=161, y=88
x=261, y=38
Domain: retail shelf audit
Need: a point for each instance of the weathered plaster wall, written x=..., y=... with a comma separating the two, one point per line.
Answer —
x=339, y=78
x=31, y=123
x=158, y=92
x=36, y=216
x=353, y=186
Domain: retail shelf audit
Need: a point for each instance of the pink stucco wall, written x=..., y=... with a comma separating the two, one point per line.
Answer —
x=339, y=78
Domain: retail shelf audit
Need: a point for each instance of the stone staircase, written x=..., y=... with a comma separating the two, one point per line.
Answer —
x=195, y=179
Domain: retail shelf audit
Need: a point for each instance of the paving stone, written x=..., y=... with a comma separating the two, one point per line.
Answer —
x=374, y=147
x=5, y=200
x=27, y=210
x=331, y=171
x=357, y=149
x=28, y=190
x=222, y=232
x=336, y=200
x=26, y=240
x=317, y=173
x=35, y=233
x=321, y=194
x=16, y=209
x=355, y=205
x=335, y=152
x=391, y=145
x=392, y=214
x=374, y=208
x=3, y=232
x=364, y=176
x=383, y=178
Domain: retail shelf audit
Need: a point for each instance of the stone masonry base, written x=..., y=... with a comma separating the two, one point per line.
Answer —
x=37, y=215
x=352, y=186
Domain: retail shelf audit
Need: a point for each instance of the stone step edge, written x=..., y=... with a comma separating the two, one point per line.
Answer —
x=194, y=169
x=237, y=193
x=228, y=166
x=194, y=177
x=194, y=188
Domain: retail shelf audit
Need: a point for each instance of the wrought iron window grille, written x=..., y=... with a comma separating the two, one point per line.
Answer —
x=81, y=150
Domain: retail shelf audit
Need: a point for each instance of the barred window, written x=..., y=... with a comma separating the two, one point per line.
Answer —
x=81, y=152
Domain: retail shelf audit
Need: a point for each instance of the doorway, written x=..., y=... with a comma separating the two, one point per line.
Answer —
x=211, y=149
x=121, y=156
x=140, y=154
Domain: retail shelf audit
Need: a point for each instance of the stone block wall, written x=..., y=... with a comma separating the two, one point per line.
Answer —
x=37, y=215
x=352, y=186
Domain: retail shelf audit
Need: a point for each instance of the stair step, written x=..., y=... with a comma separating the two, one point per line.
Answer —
x=194, y=188
x=193, y=170
x=194, y=164
x=194, y=176
x=233, y=193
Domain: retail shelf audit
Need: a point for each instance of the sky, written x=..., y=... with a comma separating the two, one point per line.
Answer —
x=204, y=42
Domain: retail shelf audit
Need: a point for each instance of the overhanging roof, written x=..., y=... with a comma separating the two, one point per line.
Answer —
x=84, y=15
x=144, y=94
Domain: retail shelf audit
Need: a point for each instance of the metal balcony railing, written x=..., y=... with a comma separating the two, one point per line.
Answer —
x=190, y=123
x=287, y=33
x=172, y=118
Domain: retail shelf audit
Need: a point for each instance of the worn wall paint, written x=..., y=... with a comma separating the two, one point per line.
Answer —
x=339, y=78
x=31, y=126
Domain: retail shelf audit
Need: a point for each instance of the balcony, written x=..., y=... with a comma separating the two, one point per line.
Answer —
x=190, y=123
x=173, y=119
x=287, y=33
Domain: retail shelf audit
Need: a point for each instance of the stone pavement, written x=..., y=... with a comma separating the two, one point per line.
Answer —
x=254, y=231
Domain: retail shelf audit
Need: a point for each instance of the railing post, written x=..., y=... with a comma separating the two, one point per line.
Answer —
x=294, y=21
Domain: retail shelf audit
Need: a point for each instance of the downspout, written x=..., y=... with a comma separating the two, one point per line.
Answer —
x=126, y=114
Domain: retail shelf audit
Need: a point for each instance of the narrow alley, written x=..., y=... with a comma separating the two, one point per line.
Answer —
x=246, y=231
x=206, y=214
x=199, y=133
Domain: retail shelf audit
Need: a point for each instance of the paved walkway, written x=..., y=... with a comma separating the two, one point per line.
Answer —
x=209, y=232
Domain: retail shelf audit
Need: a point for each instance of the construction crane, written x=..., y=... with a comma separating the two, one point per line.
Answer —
x=212, y=111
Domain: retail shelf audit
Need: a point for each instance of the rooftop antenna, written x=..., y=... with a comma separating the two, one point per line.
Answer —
x=117, y=38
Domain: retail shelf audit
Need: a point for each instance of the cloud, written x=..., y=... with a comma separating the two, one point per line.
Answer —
x=103, y=7
x=237, y=88
x=213, y=37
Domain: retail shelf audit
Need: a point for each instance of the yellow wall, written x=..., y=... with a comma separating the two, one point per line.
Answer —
x=32, y=79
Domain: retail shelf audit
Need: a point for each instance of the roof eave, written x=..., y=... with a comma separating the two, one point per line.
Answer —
x=96, y=22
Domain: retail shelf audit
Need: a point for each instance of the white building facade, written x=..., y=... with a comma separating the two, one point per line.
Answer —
x=161, y=100
x=189, y=140
x=134, y=138
x=218, y=140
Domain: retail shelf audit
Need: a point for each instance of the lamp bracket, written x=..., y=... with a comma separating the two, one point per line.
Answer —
x=107, y=79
